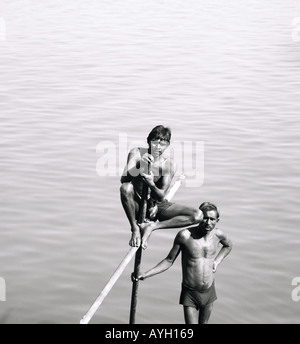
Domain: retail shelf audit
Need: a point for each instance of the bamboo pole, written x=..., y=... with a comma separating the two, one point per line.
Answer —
x=175, y=187
x=87, y=317
x=138, y=257
x=133, y=250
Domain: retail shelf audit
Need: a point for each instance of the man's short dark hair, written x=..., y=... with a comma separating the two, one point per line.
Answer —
x=207, y=206
x=159, y=133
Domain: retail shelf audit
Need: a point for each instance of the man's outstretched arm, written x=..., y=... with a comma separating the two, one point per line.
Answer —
x=165, y=264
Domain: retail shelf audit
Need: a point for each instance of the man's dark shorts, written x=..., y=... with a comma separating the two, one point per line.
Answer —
x=162, y=207
x=196, y=299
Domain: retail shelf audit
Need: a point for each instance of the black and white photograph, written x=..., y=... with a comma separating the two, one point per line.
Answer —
x=149, y=164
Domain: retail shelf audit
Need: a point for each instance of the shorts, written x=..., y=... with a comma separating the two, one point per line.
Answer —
x=162, y=207
x=196, y=299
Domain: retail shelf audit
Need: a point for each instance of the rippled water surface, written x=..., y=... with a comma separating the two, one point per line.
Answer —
x=77, y=73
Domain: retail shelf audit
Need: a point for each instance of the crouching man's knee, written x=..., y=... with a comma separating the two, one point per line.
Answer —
x=126, y=189
x=197, y=216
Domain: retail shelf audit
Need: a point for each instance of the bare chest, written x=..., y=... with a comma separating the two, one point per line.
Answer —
x=202, y=248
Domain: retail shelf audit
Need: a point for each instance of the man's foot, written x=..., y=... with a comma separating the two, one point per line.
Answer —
x=135, y=239
x=146, y=230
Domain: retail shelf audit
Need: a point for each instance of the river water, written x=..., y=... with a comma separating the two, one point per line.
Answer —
x=78, y=76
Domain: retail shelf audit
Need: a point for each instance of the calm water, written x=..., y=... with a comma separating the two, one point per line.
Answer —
x=76, y=73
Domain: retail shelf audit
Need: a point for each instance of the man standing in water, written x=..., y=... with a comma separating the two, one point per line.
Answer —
x=151, y=166
x=200, y=260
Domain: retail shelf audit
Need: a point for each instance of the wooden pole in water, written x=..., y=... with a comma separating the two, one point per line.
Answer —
x=138, y=256
x=133, y=250
x=92, y=310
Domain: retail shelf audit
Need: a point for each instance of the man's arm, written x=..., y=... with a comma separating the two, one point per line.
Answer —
x=225, y=250
x=166, y=263
x=164, y=181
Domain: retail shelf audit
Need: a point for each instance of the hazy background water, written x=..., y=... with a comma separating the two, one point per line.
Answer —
x=76, y=73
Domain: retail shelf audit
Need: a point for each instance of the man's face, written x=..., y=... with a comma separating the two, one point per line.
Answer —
x=209, y=220
x=157, y=147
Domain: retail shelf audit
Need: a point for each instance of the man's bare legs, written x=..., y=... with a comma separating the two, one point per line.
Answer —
x=175, y=216
x=204, y=313
x=131, y=208
x=193, y=316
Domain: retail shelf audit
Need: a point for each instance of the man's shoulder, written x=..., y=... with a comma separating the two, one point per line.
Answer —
x=168, y=164
x=184, y=234
x=137, y=151
x=220, y=233
x=170, y=160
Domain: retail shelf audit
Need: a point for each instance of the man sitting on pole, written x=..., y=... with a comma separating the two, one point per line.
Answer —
x=151, y=166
